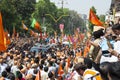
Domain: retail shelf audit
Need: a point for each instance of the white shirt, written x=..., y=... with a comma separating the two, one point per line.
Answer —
x=51, y=68
x=30, y=71
x=14, y=69
x=87, y=77
x=44, y=75
x=76, y=76
x=2, y=67
x=117, y=46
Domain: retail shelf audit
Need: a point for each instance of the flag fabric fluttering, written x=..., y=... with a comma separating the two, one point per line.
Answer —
x=36, y=25
x=93, y=19
x=32, y=32
x=3, y=45
x=38, y=76
x=24, y=26
x=60, y=71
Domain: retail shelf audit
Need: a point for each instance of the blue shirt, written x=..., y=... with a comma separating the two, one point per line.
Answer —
x=103, y=44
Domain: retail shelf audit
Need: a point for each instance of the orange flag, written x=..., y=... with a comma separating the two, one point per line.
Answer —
x=60, y=71
x=24, y=26
x=93, y=19
x=3, y=46
x=38, y=76
x=7, y=38
x=36, y=25
x=68, y=63
x=32, y=32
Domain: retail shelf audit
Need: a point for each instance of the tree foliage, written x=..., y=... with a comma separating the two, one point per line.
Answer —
x=102, y=18
x=16, y=11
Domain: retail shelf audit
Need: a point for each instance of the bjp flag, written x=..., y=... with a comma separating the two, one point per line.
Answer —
x=93, y=19
x=3, y=45
x=36, y=25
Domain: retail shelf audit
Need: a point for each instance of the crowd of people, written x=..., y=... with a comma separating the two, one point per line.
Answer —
x=63, y=62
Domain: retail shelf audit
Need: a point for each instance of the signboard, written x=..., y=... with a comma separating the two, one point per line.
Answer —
x=61, y=26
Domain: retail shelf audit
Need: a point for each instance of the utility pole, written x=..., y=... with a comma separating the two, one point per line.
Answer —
x=62, y=3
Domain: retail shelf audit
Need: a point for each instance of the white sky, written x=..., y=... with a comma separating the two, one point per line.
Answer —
x=83, y=6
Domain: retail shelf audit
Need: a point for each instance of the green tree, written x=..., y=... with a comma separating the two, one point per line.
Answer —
x=24, y=9
x=102, y=18
x=8, y=14
x=73, y=21
x=14, y=11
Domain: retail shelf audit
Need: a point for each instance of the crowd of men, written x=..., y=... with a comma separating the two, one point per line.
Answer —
x=62, y=62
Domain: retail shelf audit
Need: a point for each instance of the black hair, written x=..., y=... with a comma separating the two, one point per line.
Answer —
x=88, y=62
x=114, y=71
x=80, y=66
x=46, y=69
x=20, y=67
x=104, y=70
x=71, y=64
x=50, y=63
x=50, y=74
x=35, y=71
x=36, y=60
x=41, y=66
x=98, y=33
x=19, y=75
x=116, y=27
x=42, y=61
x=8, y=69
x=11, y=56
x=4, y=74
x=11, y=76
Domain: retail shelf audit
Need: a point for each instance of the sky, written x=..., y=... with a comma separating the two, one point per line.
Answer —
x=83, y=6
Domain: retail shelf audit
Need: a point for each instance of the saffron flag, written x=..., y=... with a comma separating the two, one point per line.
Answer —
x=24, y=26
x=38, y=76
x=93, y=19
x=35, y=25
x=3, y=45
x=32, y=32
x=7, y=38
x=68, y=63
x=60, y=71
